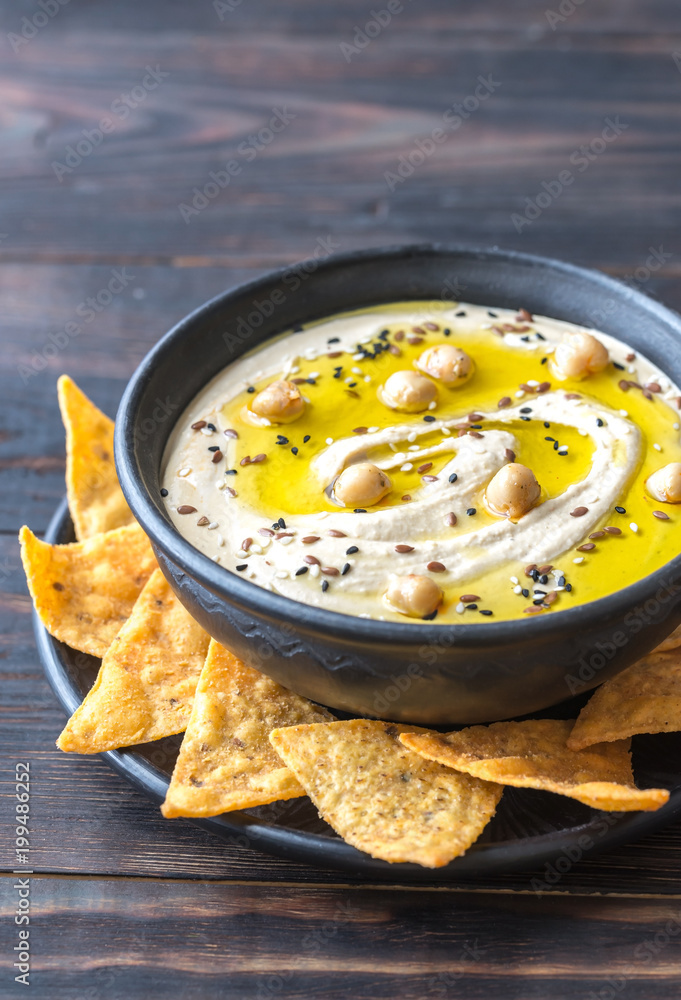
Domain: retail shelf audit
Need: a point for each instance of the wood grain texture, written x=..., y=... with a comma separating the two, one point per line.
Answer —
x=156, y=940
x=237, y=923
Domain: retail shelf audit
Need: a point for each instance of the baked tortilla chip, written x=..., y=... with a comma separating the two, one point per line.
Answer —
x=83, y=592
x=96, y=502
x=381, y=797
x=226, y=761
x=146, y=683
x=644, y=698
x=672, y=641
x=533, y=754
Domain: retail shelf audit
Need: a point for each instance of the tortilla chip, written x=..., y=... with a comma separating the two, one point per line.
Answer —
x=226, y=761
x=96, y=501
x=672, y=641
x=146, y=683
x=83, y=592
x=382, y=798
x=533, y=754
x=644, y=698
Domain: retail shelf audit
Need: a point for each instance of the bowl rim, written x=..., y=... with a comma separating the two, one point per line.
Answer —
x=339, y=625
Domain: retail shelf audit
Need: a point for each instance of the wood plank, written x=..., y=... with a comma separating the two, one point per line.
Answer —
x=149, y=939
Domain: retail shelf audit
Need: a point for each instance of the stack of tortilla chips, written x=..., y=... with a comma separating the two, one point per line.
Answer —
x=398, y=792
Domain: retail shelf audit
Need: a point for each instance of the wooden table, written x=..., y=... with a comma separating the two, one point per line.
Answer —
x=123, y=903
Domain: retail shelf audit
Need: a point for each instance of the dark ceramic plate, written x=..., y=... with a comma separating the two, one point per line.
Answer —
x=530, y=828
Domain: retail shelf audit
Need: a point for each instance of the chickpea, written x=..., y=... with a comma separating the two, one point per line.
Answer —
x=665, y=484
x=413, y=595
x=407, y=391
x=578, y=355
x=280, y=402
x=512, y=492
x=446, y=362
x=361, y=485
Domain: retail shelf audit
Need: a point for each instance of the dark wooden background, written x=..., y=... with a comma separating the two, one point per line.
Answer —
x=124, y=904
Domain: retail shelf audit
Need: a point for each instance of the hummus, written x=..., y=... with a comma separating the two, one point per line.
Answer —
x=258, y=496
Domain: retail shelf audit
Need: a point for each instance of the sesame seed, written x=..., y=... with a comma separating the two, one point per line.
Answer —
x=241, y=568
x=164, y=492
x=360, y=510
x=306, y=439
x=294, y=451
x=351, y=551
x=460, y=608
x=407, y=467
x=525, y=592
x=453, y=478
x=471, y=511
x=329, y=440
x=485, y=611
x=634, y=526
x=301, y=570
x=184, y=472
x=429, y=419
x=578, y=560
x=346, y=569
x=599, y=422
x=657, y=447
x=325, y=586
x=621, y=510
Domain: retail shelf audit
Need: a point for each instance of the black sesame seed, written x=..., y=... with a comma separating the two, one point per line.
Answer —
x=462, y=313
x=351, y=551
x=546, y=423
x=351, y=385
x=568, y=587
x=429, y=419
x=251, y=388
x=544, y=579
x=525, y=592
x=549, y=438
x=484, y=611
x=535, y=575
x=359, y=510
x=621, y=510
x=447, y=332
x=538, y=592
x=214, y=447
x=333, y=340
x=301, y=570
x=471, y=511
x=164, y=493
x=543, y=360
x=306, y=439
x=471, y=607
x=346, y=569
x=525, y=338
x=281, y=439
x=242, y=567
x=619, y=367
x=556, y=446
x=294, y=451
x=561, y=581
x=493, y=315
x=325, y=586
x=540, y=336
x=525, y=418
x=384, y=333
x=230, y=472
x=540, y=600
x=453, y=478
x=475, y=427
x=211, y=427
x=526, y=409
x=336, y=374
x=599, y=422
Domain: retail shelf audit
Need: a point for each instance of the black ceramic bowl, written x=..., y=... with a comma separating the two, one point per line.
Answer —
x=428, y=673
